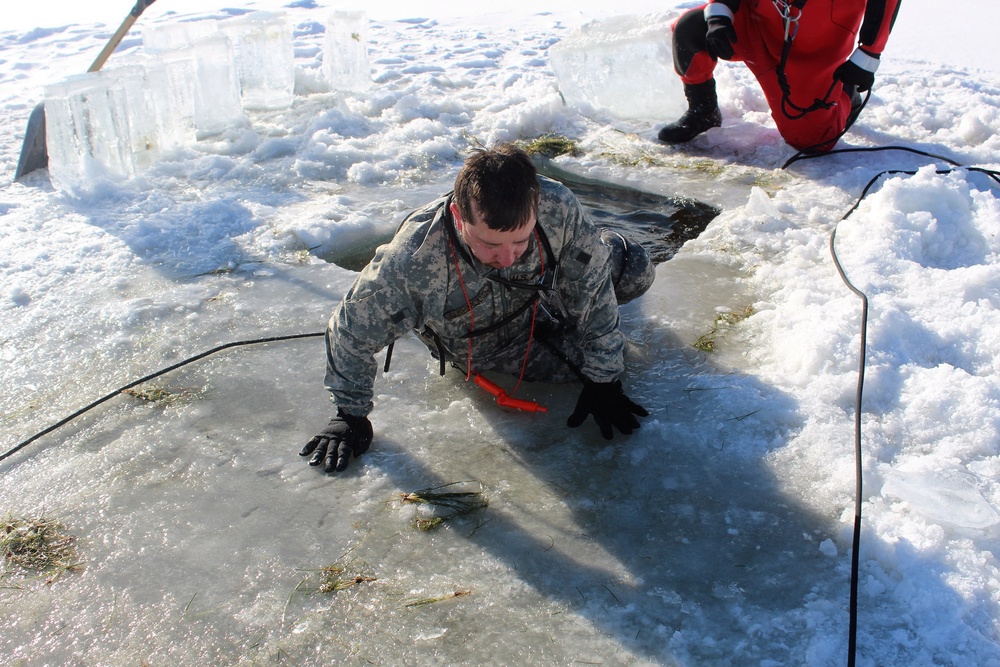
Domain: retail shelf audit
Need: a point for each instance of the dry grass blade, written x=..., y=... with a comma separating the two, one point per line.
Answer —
x=439, y=598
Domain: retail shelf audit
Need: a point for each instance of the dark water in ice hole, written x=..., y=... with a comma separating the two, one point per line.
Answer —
x=661, y=224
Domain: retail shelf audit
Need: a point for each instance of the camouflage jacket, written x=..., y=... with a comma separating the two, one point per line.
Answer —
x=426, y=278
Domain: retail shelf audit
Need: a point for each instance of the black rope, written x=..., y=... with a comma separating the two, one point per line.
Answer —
x=816, y=150
x=786, y=89
x=808, y=154
x=149, y=377
x=852, y=641
x=859, y=498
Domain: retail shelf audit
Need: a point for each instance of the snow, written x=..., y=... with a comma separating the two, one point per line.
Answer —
x=720, y=533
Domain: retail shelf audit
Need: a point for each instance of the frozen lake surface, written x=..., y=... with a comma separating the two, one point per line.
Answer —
x=718, y=534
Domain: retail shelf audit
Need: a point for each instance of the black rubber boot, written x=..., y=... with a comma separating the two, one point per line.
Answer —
x=702, y=114
x=632, y=269
x=857, y=104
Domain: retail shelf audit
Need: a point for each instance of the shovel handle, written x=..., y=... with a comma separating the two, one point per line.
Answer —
x=119, y=35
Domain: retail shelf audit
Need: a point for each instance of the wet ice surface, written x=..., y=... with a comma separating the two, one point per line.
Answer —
x=202, y=530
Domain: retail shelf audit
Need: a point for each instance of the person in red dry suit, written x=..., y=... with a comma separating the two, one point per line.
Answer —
x=802, y=53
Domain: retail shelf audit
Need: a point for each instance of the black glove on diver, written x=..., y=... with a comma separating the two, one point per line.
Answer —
x=610, y=407
x=721, y=36
x=344, y=435
x=853, y=74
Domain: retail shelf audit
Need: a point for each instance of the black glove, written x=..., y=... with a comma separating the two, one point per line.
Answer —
x=610, y=407
x=343, y=436
x=721, y=36
x=855, y=75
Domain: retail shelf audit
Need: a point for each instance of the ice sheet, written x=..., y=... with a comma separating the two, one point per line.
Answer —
x=621, y=65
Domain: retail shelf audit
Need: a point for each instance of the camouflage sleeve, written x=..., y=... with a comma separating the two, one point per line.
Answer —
x=380, y=307
x=585, y=286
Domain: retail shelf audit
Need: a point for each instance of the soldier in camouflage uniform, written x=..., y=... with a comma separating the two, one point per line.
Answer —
x=506, y=274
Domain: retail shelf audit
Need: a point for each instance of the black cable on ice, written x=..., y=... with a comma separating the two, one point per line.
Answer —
x=858, y=497
x=151, y=376
x=852, y=640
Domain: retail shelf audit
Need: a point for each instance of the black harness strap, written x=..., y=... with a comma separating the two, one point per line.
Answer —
x=791, y=110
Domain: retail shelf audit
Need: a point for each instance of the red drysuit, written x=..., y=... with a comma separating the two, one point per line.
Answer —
x=816, y=108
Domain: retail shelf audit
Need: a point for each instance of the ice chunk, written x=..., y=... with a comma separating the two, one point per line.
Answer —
x=943, y=496
x=621, y=65
x=828, y=548
x=217, y=103
x=265, y=58
x=345, y=53
x=144, y=130
x=759, y=204
x=87, y=131
x=171, y=77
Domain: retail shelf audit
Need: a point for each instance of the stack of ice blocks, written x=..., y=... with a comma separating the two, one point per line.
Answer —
x=194, y=80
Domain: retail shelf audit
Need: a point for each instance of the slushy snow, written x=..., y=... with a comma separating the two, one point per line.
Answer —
x=718, y=534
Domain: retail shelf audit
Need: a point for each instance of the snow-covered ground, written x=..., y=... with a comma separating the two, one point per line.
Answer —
x=719, y=534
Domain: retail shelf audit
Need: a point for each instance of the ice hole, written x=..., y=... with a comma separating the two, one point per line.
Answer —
x=661, y=224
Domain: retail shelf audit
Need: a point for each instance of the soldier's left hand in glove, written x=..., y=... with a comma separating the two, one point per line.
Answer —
x=610, y=407
x=344, y=436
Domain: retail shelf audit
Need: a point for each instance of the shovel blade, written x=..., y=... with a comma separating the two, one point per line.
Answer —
x=34, y=154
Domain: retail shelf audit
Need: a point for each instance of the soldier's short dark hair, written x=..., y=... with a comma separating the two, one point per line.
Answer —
x=502, y=183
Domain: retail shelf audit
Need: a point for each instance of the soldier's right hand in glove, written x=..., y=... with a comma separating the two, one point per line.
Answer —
x=609, y=405
x=344, y=436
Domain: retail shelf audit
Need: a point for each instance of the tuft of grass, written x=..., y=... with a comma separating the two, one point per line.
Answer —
x=551, y=145
x=333, y=578
x=637, y=157
x=708, y=167
x=640, y=157
x=160, y=395
x=723, y=321
x=39, y=545
x=444, y=505
x=330, y=579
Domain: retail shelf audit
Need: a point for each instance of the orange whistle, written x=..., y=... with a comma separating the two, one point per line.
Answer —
x=505, y=401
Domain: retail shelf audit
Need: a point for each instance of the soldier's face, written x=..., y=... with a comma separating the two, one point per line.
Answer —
x=491, y=247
